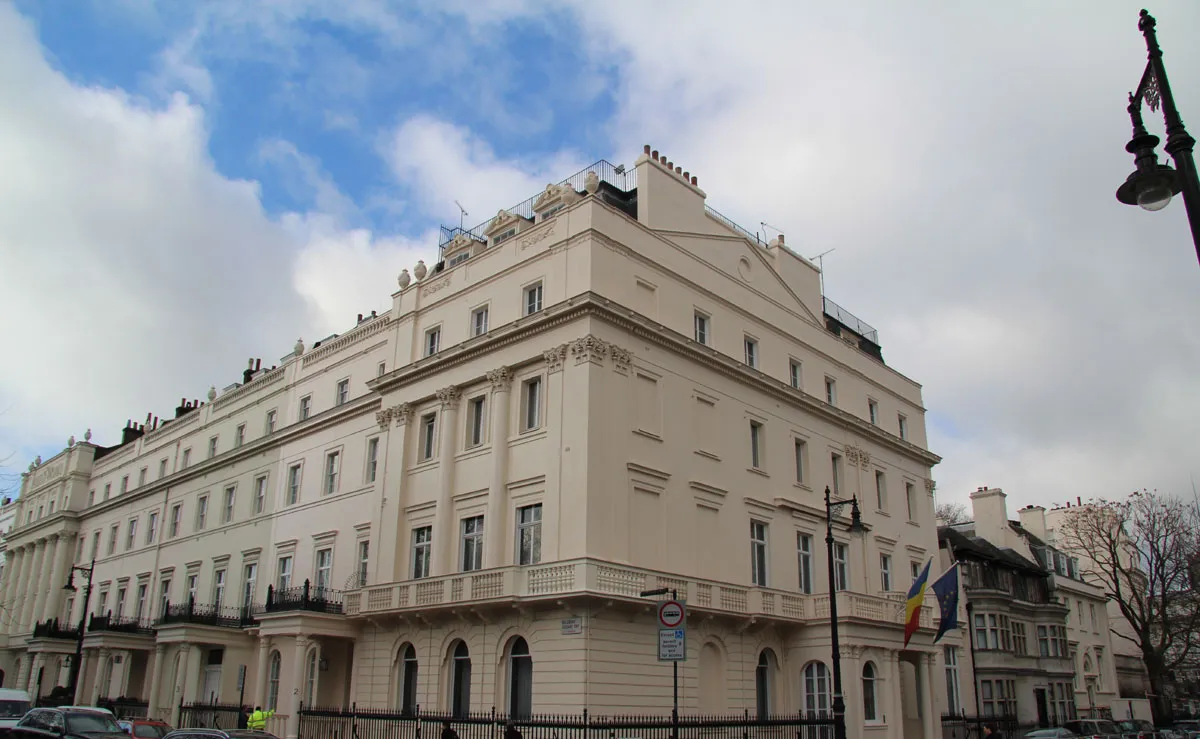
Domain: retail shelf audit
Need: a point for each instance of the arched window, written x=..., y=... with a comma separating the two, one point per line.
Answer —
x=520, y=679
x=817, y=700
x=107, y=676
x=870, y=708
x=763, y=679
x=460, y=683
x=310, y=677
x=273, y=681
x=408, y=679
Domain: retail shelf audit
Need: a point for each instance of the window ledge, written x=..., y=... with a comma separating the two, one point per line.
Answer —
x=427, y=464
x=648, y=434
x=471, y=452
x=706, y=455
x=881, y=512
x=802, y=486
x=758, y=471
x=528, y=436
x=913, y=523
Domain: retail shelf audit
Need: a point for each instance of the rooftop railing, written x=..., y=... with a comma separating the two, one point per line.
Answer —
x=850, y=321
x=619, y=177
x=303, y=598
x=119, y=625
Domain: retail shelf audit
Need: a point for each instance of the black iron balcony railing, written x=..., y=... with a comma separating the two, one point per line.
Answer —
x=52, y=629
x=119, y=625
x=304, y=598
x=207, y=614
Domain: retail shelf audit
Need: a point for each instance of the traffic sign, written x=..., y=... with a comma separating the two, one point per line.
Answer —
x=671, y=614
x=672, y=645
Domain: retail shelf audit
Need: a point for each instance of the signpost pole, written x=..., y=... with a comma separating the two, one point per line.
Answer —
x=672, y=643
x=674, y=687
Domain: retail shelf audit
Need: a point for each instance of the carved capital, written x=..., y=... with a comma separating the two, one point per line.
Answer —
x=501, y=379
x=851, y=454
x=383, y=418
x=555, y=358
x=930, y=485
x=589, y=349
x=864, y=458
x=401, y=414
x=622, y=358
x=449, y=397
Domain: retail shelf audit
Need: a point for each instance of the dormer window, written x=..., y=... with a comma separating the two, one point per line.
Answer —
x=554, y=199
x=504, y=227
x=551, y=211
x=458, y=258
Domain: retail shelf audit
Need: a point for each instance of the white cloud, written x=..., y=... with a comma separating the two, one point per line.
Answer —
x=134, y=272
x=443, y=163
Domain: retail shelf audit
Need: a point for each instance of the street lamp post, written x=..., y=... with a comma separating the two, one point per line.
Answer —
x=856, y=525
x=73, y=681
x=1152, y=185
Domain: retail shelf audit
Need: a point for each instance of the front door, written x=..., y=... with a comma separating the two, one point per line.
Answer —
x=211, y=692
x=1039, y=697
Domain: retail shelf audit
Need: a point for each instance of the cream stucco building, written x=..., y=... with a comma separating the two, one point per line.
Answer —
x=456, y=503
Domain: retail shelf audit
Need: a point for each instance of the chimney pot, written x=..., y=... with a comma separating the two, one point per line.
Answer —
x=679, y=170
x=360, y=317
x=654, y=155
x=1078, y=500
x=646, y=149
x=687, y=176
x=258, y=364
x=694, y=182
x=670, y=165
x=780, y=238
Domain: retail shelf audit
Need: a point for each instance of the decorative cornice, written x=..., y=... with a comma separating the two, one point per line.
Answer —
x=449, y=397
x=267, y=378
x=501, y=379
x=589, y=349
x=363, y=331
x=555, y=358
x=401, y=414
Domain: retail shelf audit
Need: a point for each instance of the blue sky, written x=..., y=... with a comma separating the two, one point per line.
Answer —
x=188, y=184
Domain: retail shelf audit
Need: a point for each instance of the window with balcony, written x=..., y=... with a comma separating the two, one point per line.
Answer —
x=758, y=553
x=249, y=583
x=472, y=544
x=119, y=610
x=218, y=595
x=804, y=553
x=841, y=566
x=164, y=596
x=529, y=534
x=324, y=573
x=193, y=584
x=364, y=559
x=422, y=545
x=283, y=573
x=885, y=572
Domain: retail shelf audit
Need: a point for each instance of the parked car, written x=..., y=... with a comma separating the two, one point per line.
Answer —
x=1093, y=728
x=1057, y=732
x=1138, y=729
x=72, y=723
x=145, y=728
x=1188, y=729
x=202, y=733
x=13, y=705
x=97, y=709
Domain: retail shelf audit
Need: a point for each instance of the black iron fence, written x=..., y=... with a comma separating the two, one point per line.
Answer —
x=208, y=615
x=109, y=622
x=361, y=723
x=52, y=629
x=224, y=716
x=125, y=707
x=962, y=726
x=304, y=598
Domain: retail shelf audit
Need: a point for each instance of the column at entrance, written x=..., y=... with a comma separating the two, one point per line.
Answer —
x=495, y=522
x=293, y=724
x=153, y=678
x=928, y=704
x=443, y=531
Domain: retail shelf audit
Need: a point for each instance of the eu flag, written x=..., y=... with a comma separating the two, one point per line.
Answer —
x=946, y=590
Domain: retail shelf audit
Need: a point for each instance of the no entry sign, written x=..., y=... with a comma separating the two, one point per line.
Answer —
x=670, y=614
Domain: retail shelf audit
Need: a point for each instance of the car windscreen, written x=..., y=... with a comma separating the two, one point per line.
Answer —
x=149, y=731
x=82, y=723
x=13, y=709
x=1107, y=727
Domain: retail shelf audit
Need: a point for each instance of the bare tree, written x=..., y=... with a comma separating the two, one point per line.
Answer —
x=951, y=513
x=1142, y=550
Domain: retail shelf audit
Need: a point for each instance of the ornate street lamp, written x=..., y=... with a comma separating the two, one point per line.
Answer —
x=1152, y=185
x=856, y=526
x=73, y=681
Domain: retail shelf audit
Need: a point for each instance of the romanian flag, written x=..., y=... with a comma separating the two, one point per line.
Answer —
x=916, y=597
